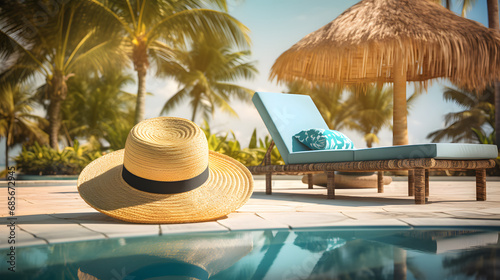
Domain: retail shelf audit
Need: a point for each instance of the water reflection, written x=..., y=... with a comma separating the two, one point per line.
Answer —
x=361, y=254
x=480, y=263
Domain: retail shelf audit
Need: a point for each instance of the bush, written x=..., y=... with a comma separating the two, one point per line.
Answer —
x=43, y=160
x=230, y=146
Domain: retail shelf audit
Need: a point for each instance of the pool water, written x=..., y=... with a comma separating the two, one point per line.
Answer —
x=308, y=254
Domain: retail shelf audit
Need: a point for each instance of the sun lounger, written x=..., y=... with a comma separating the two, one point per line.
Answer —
x=287, y=114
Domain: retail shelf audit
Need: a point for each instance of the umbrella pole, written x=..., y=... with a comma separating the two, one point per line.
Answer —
x=400, y=126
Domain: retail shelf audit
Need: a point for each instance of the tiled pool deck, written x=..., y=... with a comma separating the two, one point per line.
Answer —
x=52, y=211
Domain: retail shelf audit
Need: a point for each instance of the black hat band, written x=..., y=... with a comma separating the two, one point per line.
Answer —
x=164, y=187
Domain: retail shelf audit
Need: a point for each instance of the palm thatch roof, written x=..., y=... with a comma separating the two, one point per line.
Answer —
x=362, y=44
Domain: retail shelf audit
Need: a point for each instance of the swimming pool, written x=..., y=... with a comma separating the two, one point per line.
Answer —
x=308, y=254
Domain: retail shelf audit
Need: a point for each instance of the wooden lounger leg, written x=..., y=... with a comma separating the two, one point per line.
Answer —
x=380, y=181
x=269, y=177
x=330, y=184
x=411, y=182
x=427, y=183
x=309, y=181
x=419, y=186
x=481, y=184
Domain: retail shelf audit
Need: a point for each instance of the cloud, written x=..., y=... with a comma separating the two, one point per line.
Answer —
x=166, y=89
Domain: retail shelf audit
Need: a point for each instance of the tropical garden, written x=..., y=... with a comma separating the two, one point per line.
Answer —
x=66, y=63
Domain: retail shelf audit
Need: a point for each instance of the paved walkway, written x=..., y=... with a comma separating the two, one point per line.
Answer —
x=53, y=212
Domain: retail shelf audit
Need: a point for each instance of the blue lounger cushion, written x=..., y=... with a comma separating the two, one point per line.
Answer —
x=287, y=114
x=317, y=156
x=435, y=150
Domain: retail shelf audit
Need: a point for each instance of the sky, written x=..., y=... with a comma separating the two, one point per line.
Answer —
x=275, y=26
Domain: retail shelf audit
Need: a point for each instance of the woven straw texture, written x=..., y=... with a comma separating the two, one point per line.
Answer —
x=362, y=44
x=167, y=149
x=180, y=141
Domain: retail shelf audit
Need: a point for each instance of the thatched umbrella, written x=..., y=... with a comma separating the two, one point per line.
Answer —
x=395, y=41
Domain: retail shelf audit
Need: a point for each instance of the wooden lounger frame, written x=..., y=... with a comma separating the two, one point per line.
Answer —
x=418, y=172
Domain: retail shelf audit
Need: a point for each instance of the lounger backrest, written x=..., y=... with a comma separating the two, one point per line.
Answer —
x=285, y=115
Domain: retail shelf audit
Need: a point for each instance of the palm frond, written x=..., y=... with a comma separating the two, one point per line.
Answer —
x=241, y=93
x=175, y=100
x=223, y=105
x=461, y=98
x=12, y=42
x=213, y=24
x=121, y=20
x=104, y=55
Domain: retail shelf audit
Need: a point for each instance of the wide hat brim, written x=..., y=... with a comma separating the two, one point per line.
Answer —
x=227, y=188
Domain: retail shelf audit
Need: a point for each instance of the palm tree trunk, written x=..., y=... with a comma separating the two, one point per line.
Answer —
x=58, y=90
x=7, y=150
x=141, y=64
x=270, y=255
x=54, y=121
x=493, y=23
x=195, y=109
x=68, y=137
x=400, y=126
x=141, y=95
x=493, y=14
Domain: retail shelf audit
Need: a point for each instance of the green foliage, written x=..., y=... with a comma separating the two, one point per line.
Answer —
x=472, y=122
x=42, y=160
x=79, y=53
x=373, y=111
x=17, y=123
x=73, y=40
x=329, y=100
x=483, y=138
x=230, y=146
x=467, y=125
x=98, y=107
x=366, y=109
x=152, y=30
x=262, y=149
x=205, y=73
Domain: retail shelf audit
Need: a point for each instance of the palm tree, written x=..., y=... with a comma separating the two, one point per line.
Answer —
x=205, y=73
x=98, y=108
x=17, y=123
x=153, y=29
x=55, y=42
x=493, y=22
x=373, y=111
x=329, y=101
x=477, y=114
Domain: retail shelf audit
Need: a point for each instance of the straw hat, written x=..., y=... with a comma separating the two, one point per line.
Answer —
x=166, y=257
x=165, y=174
